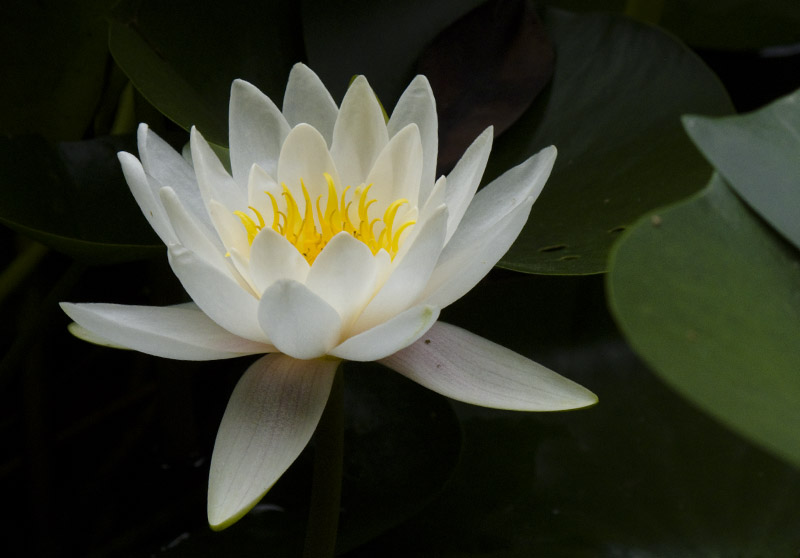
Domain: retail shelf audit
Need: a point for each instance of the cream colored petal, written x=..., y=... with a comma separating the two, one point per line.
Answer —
x=389, y=337
x=397, y=170
x=179, y=332
x=469, y=368
x=307, y=100
x=273, y=258
x=417, y=105
x=218, y=294
x=213, y=180
x=147, y=197
x=359, y=134
x=463, y=180
x=270, y=418
x=305, y=157
x=409, y=277
x=257, y=131
x=230, y=228
x=344, y=275
x=297, y=321
x=189, y=233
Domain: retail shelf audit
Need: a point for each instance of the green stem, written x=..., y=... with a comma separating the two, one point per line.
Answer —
x=323, y=518
x=646, y=11
x=21, y=268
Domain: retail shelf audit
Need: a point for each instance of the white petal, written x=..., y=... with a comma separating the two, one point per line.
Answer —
x=273, y=258
x=389, y=337
x=307, y=100
x=467, y=258
x=147, y=197
x=409, y=277
x=418, y=105
x=298, y=322
x=169, y=168
x=180, y=332
x=270, y=418
x=213, y=180
x=257, y=131
x=218, y=294
x=469, y=368
x=230, y=228
x=359, y=134
x=398, y=169
x=305, y=157
x=463, y=180
x=189, y=233
x=344, y=275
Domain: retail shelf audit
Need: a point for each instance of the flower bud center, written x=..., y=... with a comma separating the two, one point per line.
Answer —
x=310, y=227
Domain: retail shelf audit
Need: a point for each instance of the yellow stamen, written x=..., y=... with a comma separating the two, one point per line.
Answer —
x=311, y=229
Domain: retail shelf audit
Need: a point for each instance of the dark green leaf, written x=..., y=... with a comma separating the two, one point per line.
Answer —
x=613, y=111
x=759, y=155
x=73, y=198
x=710, y=297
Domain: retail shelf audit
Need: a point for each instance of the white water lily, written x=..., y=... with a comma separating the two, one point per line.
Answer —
x=331, y=239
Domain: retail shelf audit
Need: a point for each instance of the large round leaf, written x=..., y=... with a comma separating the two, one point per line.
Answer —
x=759, y=156
x=613, y=111
x=710, y=297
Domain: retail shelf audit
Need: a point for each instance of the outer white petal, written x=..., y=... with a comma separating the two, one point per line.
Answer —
x=409, y=277
x=146, y=197
x=359, y=134
x=469, y=368
x=273, y=258
x=298, y=322
x=468, y=258
x=180, y=332
x=213, y=180
x=344, y=275
x=257, y=131
x=305, y=157
x=270, y=418
x=189, y=233
x=218, y=294
x=463, y=180
x=397, y=171
x=307, y=100
x=417, y=105
x=388, y=337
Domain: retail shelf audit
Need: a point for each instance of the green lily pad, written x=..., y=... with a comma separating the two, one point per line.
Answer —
x=73, y=198
x=613, y=111
x=709, y=296
x=759, y=156
x=183, y=56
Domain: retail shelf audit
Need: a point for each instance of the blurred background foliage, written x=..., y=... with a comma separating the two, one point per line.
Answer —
x=662, y=271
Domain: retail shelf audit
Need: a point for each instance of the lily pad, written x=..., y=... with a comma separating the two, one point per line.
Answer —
x=613, y=111
x=709, y=296
x=73, y=198
x=759, y=156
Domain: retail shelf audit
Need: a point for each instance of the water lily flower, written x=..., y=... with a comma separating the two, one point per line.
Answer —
x=331, y=239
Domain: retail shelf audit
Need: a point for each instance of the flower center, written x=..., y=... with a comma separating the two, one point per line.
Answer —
x=309, y=232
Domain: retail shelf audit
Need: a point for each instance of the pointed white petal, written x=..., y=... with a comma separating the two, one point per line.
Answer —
x=389, y=337
x=359, y=134
x=469, y=368
x=463, y=180
x=180, y=332
x=410, y=276
x=147, y=197
x=218, y=294
x=213, y=180
x=397, y=170
x=270, y=418
x=418, y=105
x=468, y=258
x=305, y=157
x=189, y=233
x=273, y=258
x=344, y=275
x=307, y=100
x=257, y=131
x=297, y=321
x=230, y=228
